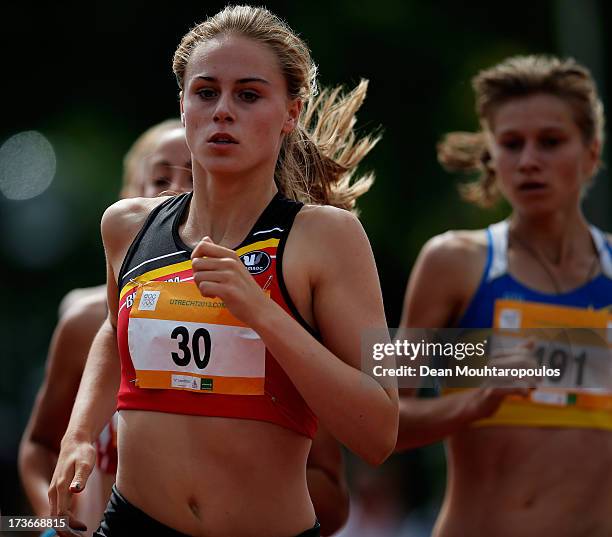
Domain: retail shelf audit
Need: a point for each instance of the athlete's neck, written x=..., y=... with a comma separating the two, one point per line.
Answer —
x=226, y=207
x=558, y=237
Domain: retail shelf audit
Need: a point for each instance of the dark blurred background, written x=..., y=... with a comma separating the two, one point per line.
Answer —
x=91, y=78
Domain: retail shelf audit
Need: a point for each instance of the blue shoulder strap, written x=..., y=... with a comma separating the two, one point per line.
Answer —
x=604, y=249
x=498, y=243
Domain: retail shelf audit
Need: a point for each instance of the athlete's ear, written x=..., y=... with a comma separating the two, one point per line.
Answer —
x=593, y=160
x=181, y=108
x=294, y=109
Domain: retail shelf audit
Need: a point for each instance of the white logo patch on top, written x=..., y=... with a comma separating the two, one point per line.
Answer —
x=148, y=302
x=510, y=319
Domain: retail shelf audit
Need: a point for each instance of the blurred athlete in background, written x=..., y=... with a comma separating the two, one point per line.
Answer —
x=158, y=161
x=536, y=462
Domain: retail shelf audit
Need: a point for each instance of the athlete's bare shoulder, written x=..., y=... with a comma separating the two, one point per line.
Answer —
x=82, y=293
x=444, y=278
x=457, y=258
x=322, y=211
x=129, y=214
x=91, y=303
x=86, y=313
x=466, y=249
x=124, y=219
x=121, y=222
x=327, y=223
x=329, y=233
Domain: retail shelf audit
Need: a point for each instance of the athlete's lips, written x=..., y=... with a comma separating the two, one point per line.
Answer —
x=532, y=185
x=222, y=138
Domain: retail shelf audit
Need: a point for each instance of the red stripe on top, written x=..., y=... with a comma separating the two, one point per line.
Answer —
x=281, y=403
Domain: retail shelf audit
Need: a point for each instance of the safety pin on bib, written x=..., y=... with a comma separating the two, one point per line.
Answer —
x=136, y=282
x=267, y=284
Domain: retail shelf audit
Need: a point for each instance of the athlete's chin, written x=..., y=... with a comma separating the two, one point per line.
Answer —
x=540, y=209
x=223, y=165
x=234, y=165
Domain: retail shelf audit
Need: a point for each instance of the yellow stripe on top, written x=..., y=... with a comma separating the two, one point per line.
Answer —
x=186, y=265
x=525, y=414
x=591, y=412
x=270, y=243
x=155, y=274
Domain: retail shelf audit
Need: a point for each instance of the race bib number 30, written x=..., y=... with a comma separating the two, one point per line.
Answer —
x=180, y=340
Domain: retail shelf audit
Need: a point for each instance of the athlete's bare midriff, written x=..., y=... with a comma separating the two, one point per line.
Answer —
x=215, y=477
x=528, y=482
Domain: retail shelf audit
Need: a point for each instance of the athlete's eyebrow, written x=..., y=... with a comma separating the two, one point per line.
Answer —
x=167, y=164
x=252, y=79
x=245, y=80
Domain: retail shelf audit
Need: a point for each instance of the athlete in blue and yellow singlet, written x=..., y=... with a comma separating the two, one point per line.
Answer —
x=499, y=291
x=521, y=462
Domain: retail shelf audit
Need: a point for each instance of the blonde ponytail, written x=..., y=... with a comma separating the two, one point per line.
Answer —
x=467, y=152
x=318, y=160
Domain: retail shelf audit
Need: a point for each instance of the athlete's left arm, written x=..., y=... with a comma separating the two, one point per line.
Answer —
x=346, y=300
x=327, y=482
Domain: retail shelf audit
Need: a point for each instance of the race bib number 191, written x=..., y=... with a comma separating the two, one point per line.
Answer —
x=180, y=340
x=575, y=342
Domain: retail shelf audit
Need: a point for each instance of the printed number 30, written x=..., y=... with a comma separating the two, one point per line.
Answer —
x=183, y=345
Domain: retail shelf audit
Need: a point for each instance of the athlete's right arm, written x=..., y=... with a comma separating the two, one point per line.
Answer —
x=96, y=398
x=444, y=279
x=40, y=443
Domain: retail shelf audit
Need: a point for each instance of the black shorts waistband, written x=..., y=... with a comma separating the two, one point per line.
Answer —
x=122, y=519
